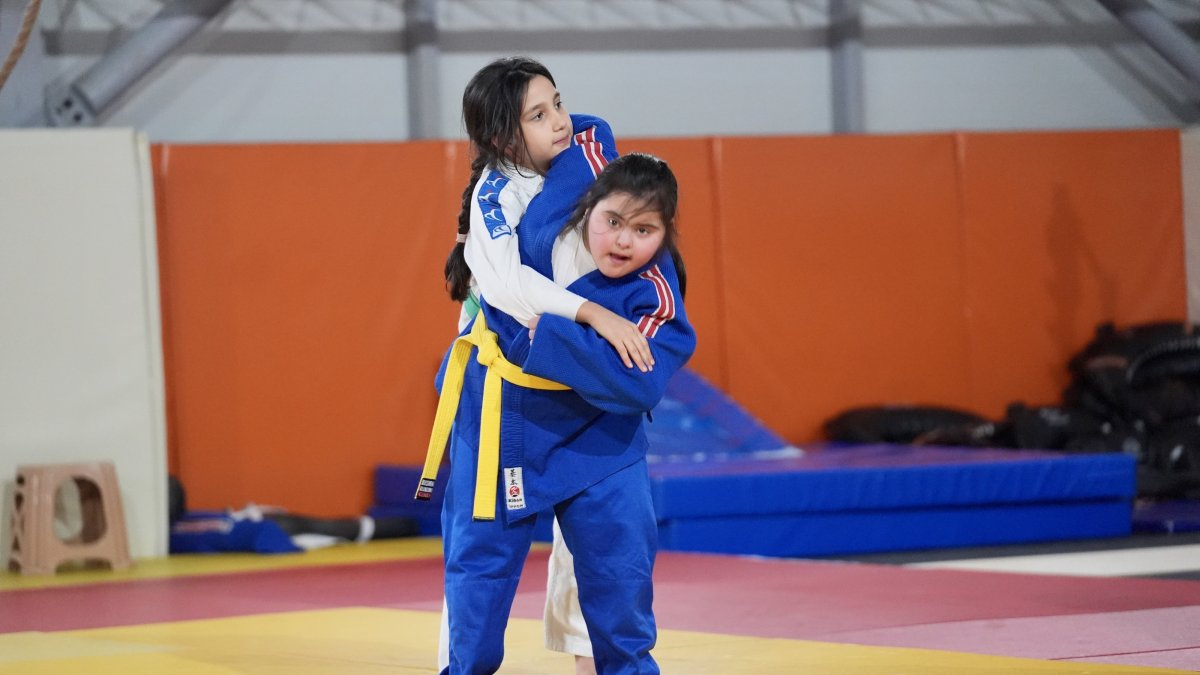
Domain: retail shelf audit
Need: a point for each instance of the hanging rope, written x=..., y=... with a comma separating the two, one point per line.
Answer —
x=31, y=12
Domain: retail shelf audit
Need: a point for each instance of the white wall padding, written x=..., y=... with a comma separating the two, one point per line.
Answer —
x=81, y=376
x=1189, y=174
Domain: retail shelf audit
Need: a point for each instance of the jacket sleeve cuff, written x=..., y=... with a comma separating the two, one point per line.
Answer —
x=565, y=305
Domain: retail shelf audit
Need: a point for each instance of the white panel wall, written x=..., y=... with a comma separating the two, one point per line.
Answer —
x=199, y=98
x=1021, y=87
x=80, y=338
x=685, y=93
x=21, y=97
x=676, y=93
x=278, y=70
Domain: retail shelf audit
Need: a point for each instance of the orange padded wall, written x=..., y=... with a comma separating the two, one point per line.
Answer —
x=304, y=317
x=842, y=281
x=692, y=162
x=957, y=270
x=1063, y=231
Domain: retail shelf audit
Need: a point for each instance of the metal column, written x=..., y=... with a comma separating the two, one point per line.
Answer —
x=846, y=61
x=423, y=56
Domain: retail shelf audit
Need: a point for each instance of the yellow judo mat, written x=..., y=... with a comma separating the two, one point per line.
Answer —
x=373, y=640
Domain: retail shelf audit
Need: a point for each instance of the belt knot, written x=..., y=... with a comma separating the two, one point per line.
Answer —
x=499, y=369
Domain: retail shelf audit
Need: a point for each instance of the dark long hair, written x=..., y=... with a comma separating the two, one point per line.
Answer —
x=649, y=181
x=492, y=116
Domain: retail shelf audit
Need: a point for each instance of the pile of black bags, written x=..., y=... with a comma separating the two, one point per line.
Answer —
x=1135, y=390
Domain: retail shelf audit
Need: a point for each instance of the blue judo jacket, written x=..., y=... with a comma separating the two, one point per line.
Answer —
x=562, y=442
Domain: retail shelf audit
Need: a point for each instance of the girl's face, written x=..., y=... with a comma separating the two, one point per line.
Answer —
x=544, y=123
x=622, y=234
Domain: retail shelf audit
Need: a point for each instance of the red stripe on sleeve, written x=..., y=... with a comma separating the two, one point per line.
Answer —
x=586, y=140
x=649, y=324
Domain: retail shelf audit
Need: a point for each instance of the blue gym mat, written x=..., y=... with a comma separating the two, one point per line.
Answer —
x=1177, y=515
x=723, y=483
x=856, y=499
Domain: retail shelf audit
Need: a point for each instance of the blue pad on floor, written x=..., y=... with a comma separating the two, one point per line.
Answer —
x=856, y=499
x=724, y=483
x=1180, y=515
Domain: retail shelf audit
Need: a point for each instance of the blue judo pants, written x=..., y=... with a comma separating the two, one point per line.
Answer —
x=610, y=529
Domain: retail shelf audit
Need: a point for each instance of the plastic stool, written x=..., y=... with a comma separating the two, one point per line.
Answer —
x=37, y=549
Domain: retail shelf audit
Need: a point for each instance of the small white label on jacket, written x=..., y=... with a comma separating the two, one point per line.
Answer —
x=514, y=489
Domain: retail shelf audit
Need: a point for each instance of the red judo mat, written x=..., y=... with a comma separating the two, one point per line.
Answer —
x=1143, y=621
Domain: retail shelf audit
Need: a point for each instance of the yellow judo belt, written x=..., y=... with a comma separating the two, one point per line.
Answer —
x=498, y=369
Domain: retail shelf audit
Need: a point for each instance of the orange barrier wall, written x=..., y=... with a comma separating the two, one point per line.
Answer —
x=692, y=162
x=841, y=275
x=954, y=269
x=304, y=316
x=1061, y=232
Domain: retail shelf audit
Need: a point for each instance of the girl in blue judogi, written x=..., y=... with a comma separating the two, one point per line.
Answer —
x=517, y=124
x=580, y=451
